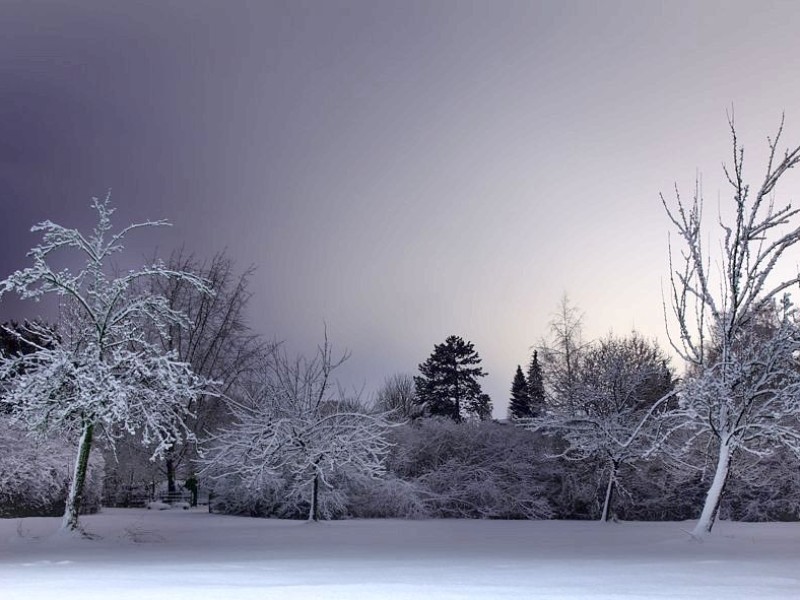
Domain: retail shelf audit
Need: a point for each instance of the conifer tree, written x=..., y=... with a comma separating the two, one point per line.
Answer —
x=448, y=384
x=519, y=407
x=536, y=397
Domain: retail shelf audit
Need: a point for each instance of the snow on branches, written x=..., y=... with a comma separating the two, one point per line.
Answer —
x=99, y=371
x=297, y=434
x=34, y=472
x=743, y=383
x=616, y=388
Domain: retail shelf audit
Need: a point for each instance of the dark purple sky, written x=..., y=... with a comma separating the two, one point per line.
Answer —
x=400, y=170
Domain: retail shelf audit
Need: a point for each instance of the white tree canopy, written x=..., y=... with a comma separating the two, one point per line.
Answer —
x=297, y=429
x=99, y=370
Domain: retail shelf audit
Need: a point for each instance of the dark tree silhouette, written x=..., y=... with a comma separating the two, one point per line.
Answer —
x=519, y=407
x=448, y=385
x=536, y=397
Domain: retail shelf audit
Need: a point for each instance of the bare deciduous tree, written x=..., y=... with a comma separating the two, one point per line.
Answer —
x=473, y=469
x=298, y=431
x=218, y=344
x=742, y=389
x=100, y=371
x=619, y=384
x=561, y=356
x=397, y=397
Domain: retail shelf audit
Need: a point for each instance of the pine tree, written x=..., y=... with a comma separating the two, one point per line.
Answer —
x=519, y=406
x=448, y=384
x=536, y=398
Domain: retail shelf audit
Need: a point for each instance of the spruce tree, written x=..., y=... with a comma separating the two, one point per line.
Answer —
x=448, y=385
x=519, y=405
x=536, y=399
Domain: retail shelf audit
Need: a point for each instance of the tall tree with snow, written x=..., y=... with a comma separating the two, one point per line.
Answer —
x=100, y=374
x=448, y=382
x=743, y=389
x=561, y=356
x=519, y=407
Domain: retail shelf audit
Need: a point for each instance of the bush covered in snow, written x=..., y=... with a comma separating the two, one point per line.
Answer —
x=436, y=468
x=281, y=496
x=459, y=470
x=35, y=472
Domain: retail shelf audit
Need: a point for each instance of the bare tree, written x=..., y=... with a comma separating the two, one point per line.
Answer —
x=100, y=371
x=298, y=431
x=398, y=398
x=218, y=344
x=473, y=469
x=742, y=389
x=619, y=384
x=561, y=356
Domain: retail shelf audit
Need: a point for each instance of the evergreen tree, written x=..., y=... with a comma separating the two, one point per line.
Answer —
x=536, y=398
x=519, y=407
x=448, y=384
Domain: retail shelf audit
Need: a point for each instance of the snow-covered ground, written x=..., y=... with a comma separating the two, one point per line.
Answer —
x=179, y=555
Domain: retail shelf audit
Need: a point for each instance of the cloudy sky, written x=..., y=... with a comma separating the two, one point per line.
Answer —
x=401, y=171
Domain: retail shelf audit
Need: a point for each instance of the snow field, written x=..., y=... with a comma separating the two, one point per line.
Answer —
x=176, y=555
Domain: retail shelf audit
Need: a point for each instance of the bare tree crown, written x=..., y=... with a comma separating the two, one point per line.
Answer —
x=717, y=305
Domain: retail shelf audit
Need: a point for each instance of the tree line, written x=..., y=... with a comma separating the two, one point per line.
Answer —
x=159, y=369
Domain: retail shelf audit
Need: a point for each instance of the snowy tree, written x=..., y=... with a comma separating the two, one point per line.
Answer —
x=619, y=384
x=743, y=388
x=100, y=374
x=561, y=355
x=762, y=488
x=35, y=473
x=298, y=433
x=13, y=337
x=448, y=382
x=17, y=339
x=472, y=469
x=397, y=397
x=217, y=344
x=519, y=407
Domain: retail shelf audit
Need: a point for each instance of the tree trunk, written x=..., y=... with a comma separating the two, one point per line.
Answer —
x=75, y=496
x=457, y=415
x=714, y=494
x=313, y=513
x=169, y=464
x=612, y=482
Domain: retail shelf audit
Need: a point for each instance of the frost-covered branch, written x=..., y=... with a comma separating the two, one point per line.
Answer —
x=735, y=330
x=619, y=385
x=295, y=431
x=100, y=374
